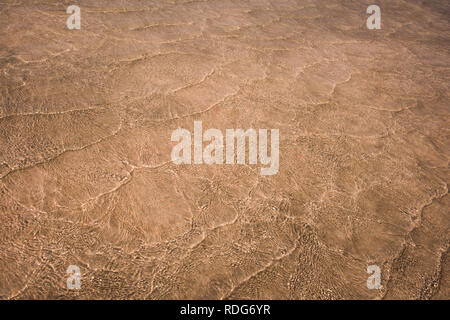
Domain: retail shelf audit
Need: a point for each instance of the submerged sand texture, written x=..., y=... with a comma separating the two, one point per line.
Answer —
x=86, y=177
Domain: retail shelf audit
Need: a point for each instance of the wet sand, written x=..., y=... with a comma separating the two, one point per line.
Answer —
x=86, y=176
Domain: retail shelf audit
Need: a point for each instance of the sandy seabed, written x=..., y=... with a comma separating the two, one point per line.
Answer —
x=86, y=177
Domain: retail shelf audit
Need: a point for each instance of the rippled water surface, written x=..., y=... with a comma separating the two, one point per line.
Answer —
x=86, y=177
